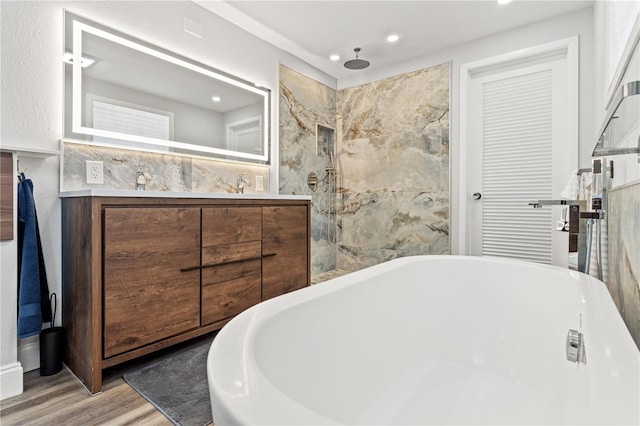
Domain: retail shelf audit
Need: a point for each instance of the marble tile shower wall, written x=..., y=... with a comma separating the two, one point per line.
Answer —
x=304, y=103
x=624, y=254
x=394, y=168
x=168, y=172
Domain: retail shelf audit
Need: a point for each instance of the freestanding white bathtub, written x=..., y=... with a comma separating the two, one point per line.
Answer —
x=429, y=340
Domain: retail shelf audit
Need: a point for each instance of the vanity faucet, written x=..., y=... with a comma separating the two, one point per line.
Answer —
x=141, y=177
x=241, y=182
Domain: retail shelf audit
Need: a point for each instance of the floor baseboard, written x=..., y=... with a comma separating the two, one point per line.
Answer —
x=11, y=380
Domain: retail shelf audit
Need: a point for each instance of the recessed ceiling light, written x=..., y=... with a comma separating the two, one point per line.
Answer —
x=393, y=38
x=84, y=62
x=334, y=57
x=216, y=98
x=504, y=1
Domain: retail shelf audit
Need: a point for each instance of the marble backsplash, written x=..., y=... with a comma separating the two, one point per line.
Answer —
x=305, y=104
x=393, y=156
x=624, y=254
x=173, y=173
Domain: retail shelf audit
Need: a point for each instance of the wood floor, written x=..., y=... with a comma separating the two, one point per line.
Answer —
x=61, y=400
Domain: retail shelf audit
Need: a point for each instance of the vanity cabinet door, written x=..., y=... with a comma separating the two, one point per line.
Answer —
x=231, y=261
x=285, y=250
x=151, y=275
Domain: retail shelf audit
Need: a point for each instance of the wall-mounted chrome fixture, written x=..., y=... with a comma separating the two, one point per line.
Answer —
x=329, y=177
x=312, y=181
x=331, y=181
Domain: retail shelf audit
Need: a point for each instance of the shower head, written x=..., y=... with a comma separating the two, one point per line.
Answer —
x=356, y=64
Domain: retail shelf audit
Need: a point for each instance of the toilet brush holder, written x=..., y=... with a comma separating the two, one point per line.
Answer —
x=52, y=343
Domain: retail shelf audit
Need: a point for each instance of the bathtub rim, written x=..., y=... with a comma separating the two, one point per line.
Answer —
x=234, y=409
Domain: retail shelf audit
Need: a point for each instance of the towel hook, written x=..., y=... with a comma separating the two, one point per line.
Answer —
x=20, y=172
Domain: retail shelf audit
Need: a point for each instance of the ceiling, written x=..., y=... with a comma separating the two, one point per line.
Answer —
x=313, y=30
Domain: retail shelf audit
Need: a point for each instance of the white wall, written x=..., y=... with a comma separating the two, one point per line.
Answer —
x=32, y=100
x=579, y=23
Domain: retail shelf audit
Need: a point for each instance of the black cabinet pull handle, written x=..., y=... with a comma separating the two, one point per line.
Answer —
x=210, y=265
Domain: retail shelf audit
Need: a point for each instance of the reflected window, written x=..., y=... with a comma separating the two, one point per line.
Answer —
x=116, y=117
x=245, y=135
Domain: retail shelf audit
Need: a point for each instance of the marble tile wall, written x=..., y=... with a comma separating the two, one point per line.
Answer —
x=305, y=103
x=168, y=172
x=393, y=156
x=624, y=254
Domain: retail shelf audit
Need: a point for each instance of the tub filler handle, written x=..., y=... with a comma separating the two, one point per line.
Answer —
x=575, y=347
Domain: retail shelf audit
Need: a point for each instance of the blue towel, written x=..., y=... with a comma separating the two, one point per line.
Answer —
x=33, y=291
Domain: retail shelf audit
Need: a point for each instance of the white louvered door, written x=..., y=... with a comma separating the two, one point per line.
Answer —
x=519, y=153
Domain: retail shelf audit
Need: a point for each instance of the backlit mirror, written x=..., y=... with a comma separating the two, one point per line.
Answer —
x=123, y=92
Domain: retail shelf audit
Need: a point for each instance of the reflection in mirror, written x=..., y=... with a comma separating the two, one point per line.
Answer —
x=124, y=92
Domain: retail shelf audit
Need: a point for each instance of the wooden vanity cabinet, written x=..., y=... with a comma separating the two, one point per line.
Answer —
x=231, y=261
x=142, y=274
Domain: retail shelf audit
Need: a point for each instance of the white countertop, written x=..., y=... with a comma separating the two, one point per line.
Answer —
x=163, y=194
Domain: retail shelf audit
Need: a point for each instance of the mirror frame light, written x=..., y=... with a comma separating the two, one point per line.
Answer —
x=76, y=119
